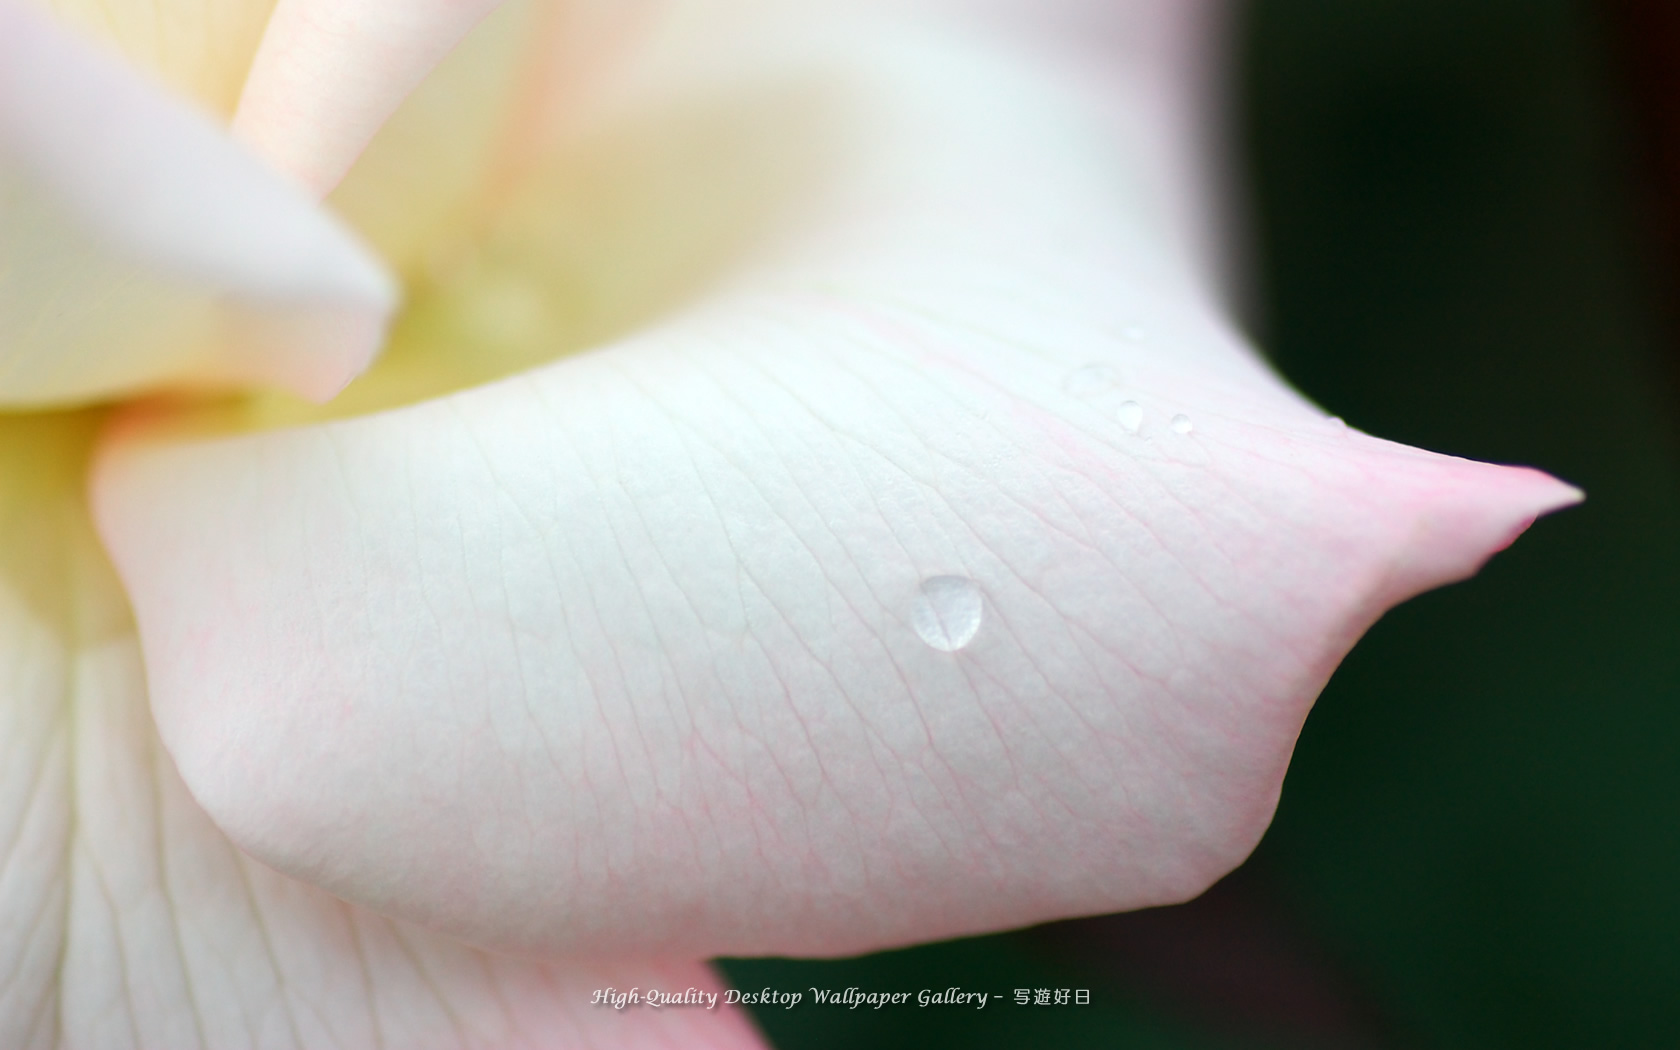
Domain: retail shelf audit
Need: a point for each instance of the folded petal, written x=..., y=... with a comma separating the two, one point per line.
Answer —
x=128, y=921
x=951, y=565
x=329, y=72
x=141, y=248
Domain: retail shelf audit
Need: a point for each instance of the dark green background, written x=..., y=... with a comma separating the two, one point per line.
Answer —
x=1479, y=841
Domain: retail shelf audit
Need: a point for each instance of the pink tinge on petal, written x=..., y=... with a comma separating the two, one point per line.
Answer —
x=142, y=249
x=328, y=73
x=787, y=645
x=953, y=567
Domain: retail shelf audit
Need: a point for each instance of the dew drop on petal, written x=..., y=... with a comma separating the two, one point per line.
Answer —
x=1130, y=415
x=947, y=612
x=1091, y=380
x=1181, y=424
x=1337, y=421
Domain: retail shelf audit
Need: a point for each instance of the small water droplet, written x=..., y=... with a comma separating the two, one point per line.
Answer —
x=1130, y=415
x=947, y=613
x=1181, y=424
x=1091, y=380
x=1337, y=421
x=1133, y=332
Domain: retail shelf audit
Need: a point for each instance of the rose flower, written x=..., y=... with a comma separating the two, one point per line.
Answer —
x=717, y=477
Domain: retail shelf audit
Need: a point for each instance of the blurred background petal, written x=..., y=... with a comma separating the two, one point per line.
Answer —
x=199, y=49
x=329, y=72
x=140, y=248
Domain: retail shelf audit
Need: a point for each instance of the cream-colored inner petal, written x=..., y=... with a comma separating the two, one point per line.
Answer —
x=200, y=48
x=621, y=225
x=426, y=176
x=141, y=249
x=328, y=74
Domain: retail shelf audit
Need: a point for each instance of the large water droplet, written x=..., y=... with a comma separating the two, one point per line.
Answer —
x=947, y=613
x=1091, y=380
x=1130, y=415
x=1181, y=424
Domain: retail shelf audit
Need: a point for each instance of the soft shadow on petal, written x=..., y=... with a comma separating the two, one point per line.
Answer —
x=128, y=920
x=141, y=248
x=673, y=645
